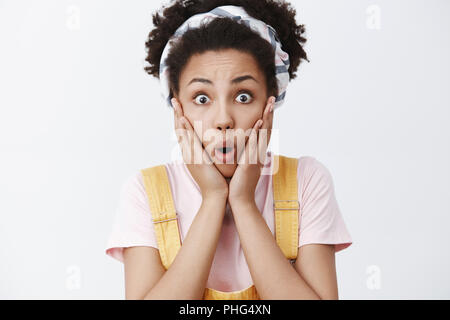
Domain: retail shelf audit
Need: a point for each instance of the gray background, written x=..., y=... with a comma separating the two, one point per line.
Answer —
x=79, y=115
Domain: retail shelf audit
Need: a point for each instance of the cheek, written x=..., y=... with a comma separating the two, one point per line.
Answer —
x=204, y=130
x=198, y=122
x=246, y=119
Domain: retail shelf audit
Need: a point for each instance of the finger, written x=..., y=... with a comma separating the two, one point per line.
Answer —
x=184, y=142
x=198, y=151
x=266, y=130
x=184, y=138
x=178, y=111
x=177, y=107
x=243, y=157
x=253, y=146
x=190, y=141
x=175, y=114
x=268, y=113
x=269, y=107
x=180, y=130
x=249, y=148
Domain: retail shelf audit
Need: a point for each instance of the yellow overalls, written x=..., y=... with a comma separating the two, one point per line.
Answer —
x=165, y=221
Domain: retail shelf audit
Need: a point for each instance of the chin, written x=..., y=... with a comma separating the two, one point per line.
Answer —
x=227, y=170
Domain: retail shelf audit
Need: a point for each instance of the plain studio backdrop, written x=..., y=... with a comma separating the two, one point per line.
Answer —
x=79, y=115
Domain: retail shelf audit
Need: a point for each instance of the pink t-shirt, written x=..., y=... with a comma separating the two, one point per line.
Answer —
x=320, y=220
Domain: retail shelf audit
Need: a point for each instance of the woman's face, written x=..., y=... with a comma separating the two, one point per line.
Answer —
x=223, y=94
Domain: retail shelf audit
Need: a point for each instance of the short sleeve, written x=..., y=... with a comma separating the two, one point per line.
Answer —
x=133, y=225
x=320, y=218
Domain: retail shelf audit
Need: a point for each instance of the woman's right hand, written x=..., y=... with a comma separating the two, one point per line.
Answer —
x=209, y=179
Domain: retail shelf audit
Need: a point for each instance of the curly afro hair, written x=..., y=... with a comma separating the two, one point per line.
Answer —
x=225, y=34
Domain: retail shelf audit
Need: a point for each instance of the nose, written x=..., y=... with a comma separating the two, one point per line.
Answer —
x=223, y=119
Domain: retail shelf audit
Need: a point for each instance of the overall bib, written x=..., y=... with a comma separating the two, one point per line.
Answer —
x=164, y=216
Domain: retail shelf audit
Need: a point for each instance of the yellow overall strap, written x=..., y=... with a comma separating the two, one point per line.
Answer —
x=157, y=187
x=286, y=205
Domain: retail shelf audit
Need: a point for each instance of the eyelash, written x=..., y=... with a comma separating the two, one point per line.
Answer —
x=239, y=93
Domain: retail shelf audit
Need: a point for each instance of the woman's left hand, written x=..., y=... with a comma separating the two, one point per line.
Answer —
x=251, y=161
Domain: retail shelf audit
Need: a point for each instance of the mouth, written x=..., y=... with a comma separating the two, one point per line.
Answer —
x=224, y=152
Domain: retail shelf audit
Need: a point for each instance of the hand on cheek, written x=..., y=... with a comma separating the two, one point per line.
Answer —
x=210, y=181
x=245, y=178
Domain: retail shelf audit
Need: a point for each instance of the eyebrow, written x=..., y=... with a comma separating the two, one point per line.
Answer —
x=234, y=81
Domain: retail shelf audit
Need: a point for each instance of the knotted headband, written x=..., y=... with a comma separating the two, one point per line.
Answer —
x=239, y=14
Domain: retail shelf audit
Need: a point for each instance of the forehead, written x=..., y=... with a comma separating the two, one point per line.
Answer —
x=220, y=65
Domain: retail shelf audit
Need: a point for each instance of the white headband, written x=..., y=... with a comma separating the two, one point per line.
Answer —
x=237, y=13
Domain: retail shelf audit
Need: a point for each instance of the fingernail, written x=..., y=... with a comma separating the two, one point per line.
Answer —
x=271, y=108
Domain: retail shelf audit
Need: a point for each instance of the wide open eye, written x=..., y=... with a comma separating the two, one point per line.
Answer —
x=244, y=97
x=201, y=99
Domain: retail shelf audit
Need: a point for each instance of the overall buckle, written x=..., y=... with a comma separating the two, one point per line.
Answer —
x=289, y=206
x=176, y=213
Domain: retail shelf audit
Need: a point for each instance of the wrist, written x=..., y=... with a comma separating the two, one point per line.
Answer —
x=215, y=198
x=241, y=202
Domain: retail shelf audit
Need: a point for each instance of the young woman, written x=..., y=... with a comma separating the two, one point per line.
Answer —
x=216, y=228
